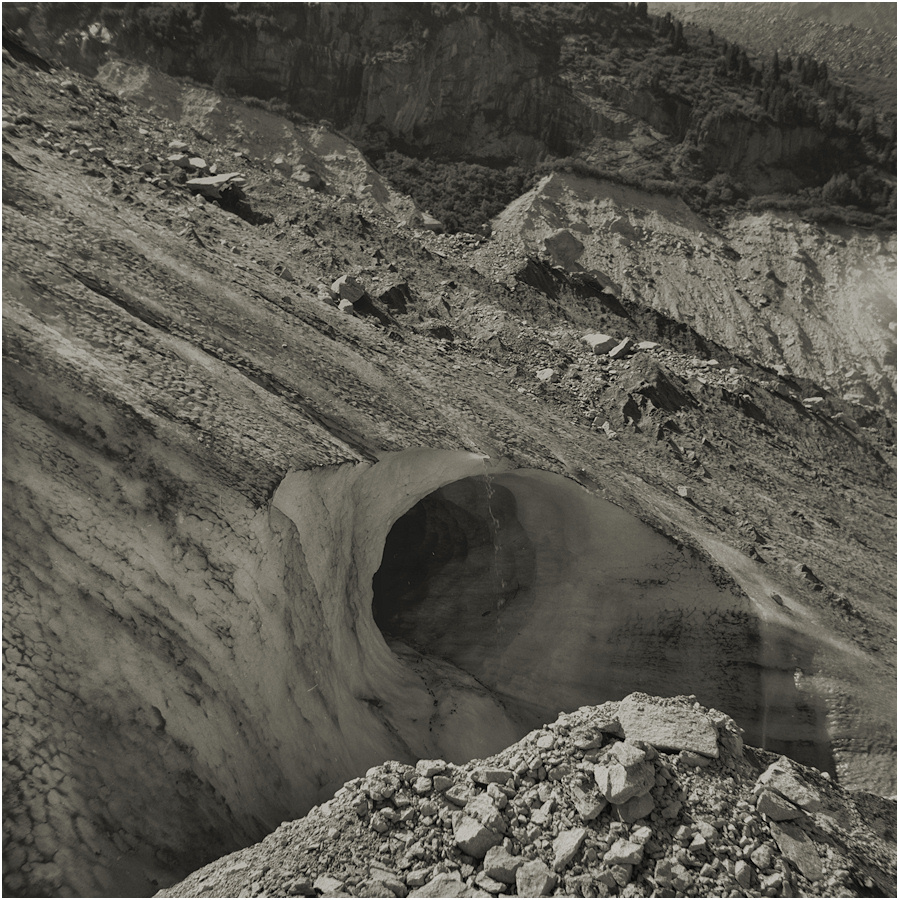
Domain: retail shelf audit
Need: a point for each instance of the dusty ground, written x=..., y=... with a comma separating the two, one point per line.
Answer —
x=163, y=373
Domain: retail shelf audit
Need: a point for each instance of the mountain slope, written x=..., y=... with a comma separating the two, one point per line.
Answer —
x=515, y=82
x=220, y=397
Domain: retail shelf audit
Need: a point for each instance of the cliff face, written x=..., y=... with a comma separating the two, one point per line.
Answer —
x=465, y=82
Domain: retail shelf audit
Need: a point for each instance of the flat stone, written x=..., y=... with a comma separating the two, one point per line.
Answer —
x=500, y=865
x=624, y=853
x=647, y=345
x=430, y=767
x=799, y=849
x=566, y=846
x=473, y=838
x=621, y=349
x=600, y=343
x=327, y=885
x=775, y=807
x=688, y=757
x=487, y=775
x=670, y=728
x=781, y=776
x=443, y=885
x=534, y=879
x=486, y=883
x=212, y=185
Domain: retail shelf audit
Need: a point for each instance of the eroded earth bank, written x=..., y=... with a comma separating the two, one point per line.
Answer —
x=256, y=544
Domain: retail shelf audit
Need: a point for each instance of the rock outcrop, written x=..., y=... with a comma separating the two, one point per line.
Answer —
x=695, y=826
x=766, y=286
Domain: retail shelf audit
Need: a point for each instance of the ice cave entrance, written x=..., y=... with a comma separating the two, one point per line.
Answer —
x=553, y=598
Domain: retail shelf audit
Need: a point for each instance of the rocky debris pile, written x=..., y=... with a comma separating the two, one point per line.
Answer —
x=645, y=797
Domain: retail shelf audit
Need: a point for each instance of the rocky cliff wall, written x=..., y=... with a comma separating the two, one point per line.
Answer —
x=457, y=81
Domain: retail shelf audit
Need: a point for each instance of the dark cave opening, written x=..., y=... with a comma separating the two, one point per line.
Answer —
x=461, y=547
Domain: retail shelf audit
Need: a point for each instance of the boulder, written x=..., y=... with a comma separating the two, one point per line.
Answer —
x=548, y=375
x=673, y=728
x=429, y=223
x=501, y=866
x=783, y=777
x=348, y=288
x=308, y=179
x=670, y=874
x=743, y=874
x=534, y=879
x=430, y=767
x=483, y=809
x=328, y=886
x=564, y=248
x=588, y=802
x=636, y=808
x=443, y=885
x=624, y=853
x=487, y=775
x=626, y=773
x=600, y=343
x=283, y=166
x=473, y=838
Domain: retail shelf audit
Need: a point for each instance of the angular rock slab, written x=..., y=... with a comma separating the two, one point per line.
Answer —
x=799, y=849
x=566, y=846
x=670, y=728
x=473, y=838
x=534, y=879
x=782, y=777
x=442, y=886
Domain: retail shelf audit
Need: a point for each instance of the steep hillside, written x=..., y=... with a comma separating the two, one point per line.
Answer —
x=857, y=41
x=239, y=373
x=767, y=286
x=513, y=83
